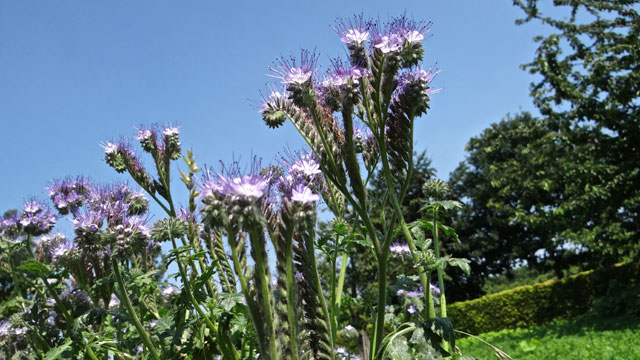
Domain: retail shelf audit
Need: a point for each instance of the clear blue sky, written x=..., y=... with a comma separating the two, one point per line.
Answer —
x=75, y=73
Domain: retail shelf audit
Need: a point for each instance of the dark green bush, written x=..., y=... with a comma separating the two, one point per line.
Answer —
x=530, y=305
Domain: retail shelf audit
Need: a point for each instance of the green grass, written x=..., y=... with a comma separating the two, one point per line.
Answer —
x=583, y=338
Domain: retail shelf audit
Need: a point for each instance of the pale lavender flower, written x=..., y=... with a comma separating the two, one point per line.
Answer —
x=170, y=291
x=411, y=30
x=353, y=31
x=61, y=251
x=389, y=43
x=354, y=36
x=306, y=166
x=109, y=148
x=171, y=131
x=296, y=73
x=412, y=309
x=144, y=134
x=303, y=194
x=251, y=186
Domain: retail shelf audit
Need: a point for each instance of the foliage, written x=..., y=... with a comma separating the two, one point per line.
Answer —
x=540, y=303
x=589, y=96
x=584, y=338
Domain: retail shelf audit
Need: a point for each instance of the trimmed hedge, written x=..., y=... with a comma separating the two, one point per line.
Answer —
x=530, y=305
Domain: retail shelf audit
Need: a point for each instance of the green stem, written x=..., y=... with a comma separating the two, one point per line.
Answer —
x=253, y=312
x=136, y=321
x=291, y=310
x=343, y=271
x=257, y=243
x=314, y=269
x=333, y=301
x=58, y=302
x=436, y=246
x=14, y=275
x=398, y=212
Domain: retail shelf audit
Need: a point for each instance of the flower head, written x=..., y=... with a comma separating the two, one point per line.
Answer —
x=303, y=194
x=250, y=186
x=69, y=194
x=389, y=43
x=36, y=219
x=295, y=73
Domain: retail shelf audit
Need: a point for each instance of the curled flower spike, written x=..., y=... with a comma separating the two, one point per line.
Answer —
x=273, y=107
x=36, y=219
x=172, y=147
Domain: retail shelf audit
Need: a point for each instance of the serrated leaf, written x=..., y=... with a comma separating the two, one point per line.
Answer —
x=35, y=267
x=463, y=264
x=58, y=351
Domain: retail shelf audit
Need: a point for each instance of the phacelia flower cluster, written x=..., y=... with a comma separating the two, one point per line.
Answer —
x=69, y=194
x=36, y=218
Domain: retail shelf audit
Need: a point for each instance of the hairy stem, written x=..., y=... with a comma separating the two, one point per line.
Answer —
x=136, y=321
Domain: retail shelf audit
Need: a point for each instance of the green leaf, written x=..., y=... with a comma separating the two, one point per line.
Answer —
x=58, y=351
x=438, y=331
x=35, y=267
x=463, y=264
x=229, y=301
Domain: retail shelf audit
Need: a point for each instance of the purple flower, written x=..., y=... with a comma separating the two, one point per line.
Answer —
x=170, y=291
x=353, y=31
x=292, y=72
x=354, y=36
x=69, y=194
x=171, y=131
x=61, y=251
x=411, y=30
x=306, y=166
x=251, y=186
x=421, y=76
x=412, y=309
x=389, y=43
x=88, y=224
x=144, y=134
x=36, y=219
x=9, y=225
x=109, y=148
x=303, y=194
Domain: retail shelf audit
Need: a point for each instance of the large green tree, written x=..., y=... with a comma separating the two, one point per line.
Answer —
x=564, y=188
x=589, y=96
